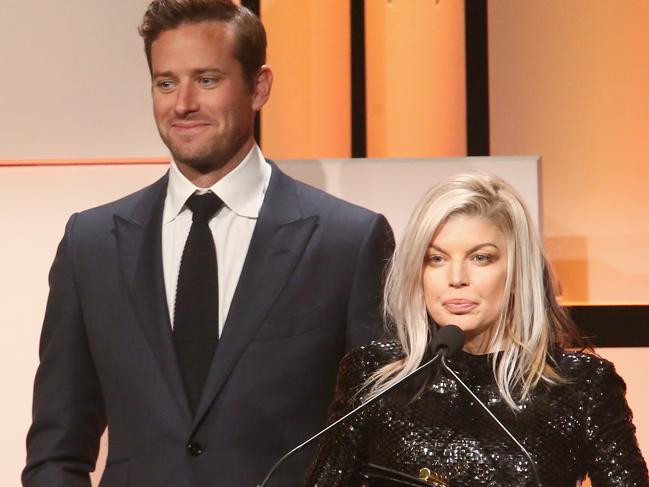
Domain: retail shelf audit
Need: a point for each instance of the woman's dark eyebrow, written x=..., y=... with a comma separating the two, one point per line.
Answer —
x=471, y=250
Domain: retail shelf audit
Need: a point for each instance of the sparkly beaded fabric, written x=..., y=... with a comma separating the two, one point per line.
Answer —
x=570, y=430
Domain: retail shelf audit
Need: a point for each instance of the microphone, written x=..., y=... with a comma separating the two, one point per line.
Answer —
x=447, y=340
x=451, y=351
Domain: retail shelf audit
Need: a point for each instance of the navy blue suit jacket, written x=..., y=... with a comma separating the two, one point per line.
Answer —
x=309, y=291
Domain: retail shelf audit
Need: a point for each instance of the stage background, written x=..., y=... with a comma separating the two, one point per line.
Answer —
x=566, y=80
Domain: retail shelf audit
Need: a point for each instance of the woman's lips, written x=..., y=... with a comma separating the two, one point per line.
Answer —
x=459, y=306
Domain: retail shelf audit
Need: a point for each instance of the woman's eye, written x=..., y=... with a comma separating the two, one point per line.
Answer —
x=435, y=259
x=482, y=258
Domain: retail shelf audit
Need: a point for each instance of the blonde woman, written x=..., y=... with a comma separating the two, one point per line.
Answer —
x=470, y=256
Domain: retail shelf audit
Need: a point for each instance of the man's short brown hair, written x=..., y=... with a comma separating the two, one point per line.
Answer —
x=250, y=36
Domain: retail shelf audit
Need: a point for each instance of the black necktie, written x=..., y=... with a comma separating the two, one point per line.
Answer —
x=196, y=314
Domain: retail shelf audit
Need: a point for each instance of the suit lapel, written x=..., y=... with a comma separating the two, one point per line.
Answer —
x=139, y=241
x=279, y=238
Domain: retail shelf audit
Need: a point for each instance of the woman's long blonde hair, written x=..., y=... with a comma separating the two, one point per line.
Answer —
x=530, y=321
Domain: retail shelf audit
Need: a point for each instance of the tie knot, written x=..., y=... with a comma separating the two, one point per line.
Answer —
x=204, y=206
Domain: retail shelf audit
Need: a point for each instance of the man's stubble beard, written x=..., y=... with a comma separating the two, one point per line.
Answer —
x=207, y=157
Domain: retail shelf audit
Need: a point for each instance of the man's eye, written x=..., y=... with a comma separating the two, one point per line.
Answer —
x=207, y=82
x=165, y=85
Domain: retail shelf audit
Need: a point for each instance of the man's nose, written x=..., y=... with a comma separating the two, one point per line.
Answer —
x=186, y=100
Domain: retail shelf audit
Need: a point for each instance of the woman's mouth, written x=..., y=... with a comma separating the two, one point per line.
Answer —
x=459, y=306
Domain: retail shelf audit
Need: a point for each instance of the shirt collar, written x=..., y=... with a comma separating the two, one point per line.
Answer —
x=242, y=190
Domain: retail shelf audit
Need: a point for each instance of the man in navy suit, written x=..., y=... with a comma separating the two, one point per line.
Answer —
x=299, y=284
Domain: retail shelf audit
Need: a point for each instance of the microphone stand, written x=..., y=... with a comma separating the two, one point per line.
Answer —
x=502, y=426
x=441, y=353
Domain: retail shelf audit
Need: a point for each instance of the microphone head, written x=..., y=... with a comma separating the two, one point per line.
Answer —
x=448, y=340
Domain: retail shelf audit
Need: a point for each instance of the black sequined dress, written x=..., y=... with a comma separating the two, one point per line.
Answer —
x=570, y=430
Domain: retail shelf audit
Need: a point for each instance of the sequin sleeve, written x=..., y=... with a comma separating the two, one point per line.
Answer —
x=614, y=458
x=341, y=450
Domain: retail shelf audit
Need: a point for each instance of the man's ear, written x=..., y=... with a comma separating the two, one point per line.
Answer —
x=263, y=85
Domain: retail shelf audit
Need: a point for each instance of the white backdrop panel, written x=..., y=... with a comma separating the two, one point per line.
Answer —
x=394, y=186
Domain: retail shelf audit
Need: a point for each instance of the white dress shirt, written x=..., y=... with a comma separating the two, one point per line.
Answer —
x=242, y=192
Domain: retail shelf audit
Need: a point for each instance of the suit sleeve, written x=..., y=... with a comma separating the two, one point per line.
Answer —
x=614, y=458
x=364, y=312
x=68, y=415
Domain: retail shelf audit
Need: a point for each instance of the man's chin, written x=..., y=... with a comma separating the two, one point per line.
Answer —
x=202, y=163
x=200, y=157
x=198, y=163
x=188, y=155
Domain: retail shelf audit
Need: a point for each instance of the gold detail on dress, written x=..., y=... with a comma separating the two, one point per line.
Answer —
x=427, y=476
